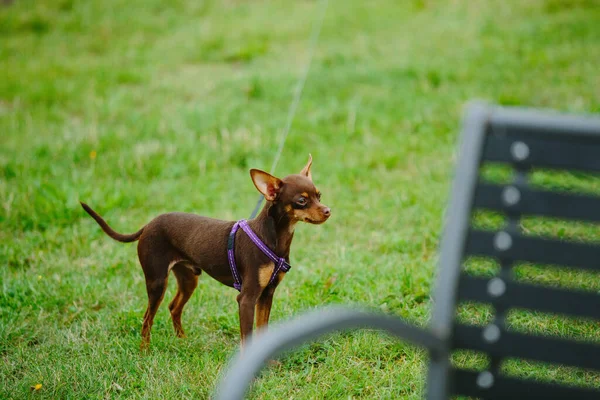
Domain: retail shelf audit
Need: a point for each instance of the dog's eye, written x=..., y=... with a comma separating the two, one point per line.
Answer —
x=301, y=201
x=319, y=196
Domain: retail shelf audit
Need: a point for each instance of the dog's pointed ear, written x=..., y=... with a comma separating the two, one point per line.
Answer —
x=267, y=184
x=306, y=170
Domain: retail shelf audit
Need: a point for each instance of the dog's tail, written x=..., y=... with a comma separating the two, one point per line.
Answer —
x=108, y=230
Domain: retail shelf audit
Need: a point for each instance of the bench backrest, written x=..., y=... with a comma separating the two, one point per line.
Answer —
x=523, y=141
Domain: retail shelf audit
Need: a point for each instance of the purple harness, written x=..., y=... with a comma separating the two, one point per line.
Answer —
x=280, y=263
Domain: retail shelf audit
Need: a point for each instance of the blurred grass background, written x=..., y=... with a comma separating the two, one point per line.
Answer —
x=143, y=107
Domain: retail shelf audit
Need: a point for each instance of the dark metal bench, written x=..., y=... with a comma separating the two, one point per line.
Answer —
x=523, y=140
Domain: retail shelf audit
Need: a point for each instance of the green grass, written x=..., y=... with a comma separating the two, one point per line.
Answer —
x=142, y=107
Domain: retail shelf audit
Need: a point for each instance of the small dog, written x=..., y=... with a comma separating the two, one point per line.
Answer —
x=188, y=244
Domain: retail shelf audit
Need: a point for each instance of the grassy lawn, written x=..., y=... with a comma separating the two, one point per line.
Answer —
x=142, y=107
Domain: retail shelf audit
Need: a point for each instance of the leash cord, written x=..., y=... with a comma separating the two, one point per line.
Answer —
x=297, y=94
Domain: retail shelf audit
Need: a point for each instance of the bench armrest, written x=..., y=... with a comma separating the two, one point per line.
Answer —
x=266, y=345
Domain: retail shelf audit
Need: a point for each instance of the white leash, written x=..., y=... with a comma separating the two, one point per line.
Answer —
x=297, y=94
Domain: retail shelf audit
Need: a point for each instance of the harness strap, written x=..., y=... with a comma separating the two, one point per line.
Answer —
x=231, y=257
x=280, y=263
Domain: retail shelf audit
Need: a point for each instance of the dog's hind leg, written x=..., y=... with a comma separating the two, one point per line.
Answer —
x=187, y=280
x=156, y=291
x=156, y=271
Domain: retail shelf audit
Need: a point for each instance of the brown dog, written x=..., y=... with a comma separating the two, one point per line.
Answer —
x=188, y=244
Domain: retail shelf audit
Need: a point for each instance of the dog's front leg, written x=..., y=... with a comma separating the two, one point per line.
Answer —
x=263, y=307
x=247, y=302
